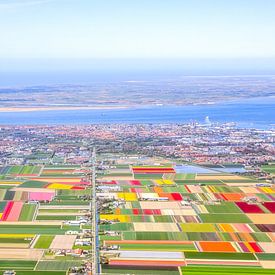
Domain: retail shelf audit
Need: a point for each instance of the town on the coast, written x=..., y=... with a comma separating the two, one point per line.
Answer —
x=137, y=199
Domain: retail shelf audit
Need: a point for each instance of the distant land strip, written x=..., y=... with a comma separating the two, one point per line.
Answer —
x=63, y=108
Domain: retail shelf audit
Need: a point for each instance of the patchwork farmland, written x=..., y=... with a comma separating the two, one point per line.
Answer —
x=185, y=219
x=153, y=219
x=44, y=219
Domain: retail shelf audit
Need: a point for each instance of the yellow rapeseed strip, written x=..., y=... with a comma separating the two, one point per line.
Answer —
x=160, y=182
x=167, y=182
x=121, y=218
x=268, y=190
x=17, y=236
x=59, y=186
x=127, y=196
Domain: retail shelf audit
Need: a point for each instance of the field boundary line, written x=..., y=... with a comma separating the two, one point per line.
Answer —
x=38, y=262
x=34, y=241
x=35, y=212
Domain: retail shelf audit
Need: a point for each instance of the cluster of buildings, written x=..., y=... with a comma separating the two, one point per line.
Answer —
x=216, y=144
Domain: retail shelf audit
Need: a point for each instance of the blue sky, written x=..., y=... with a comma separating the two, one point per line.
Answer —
x=137, y=29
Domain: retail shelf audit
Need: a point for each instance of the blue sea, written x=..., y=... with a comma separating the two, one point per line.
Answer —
x=254, y=113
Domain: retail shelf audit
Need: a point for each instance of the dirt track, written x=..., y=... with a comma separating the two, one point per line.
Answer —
x=13, y=253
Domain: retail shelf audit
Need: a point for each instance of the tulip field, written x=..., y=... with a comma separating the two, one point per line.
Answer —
x=36, y=205
x=161, y=219
x=170, y=222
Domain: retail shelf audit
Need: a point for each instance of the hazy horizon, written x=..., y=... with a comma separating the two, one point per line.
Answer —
x=213, y=29
x=54, y=71
x=65, y=40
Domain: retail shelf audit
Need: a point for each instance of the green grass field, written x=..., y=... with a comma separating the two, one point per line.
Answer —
x=14, y=240
x=15, y=169
x=44, y=241
x=220, y=256
x=18, y=264
x=55, y=218
x=185, y=176
x=27, y=212
x=56, y=265
x=41, y=211
x=224, y=207
x=31, y=229
x=33, y=184
x=224, y=218
x=148, y=176
x=266, y=256
x=23, y=170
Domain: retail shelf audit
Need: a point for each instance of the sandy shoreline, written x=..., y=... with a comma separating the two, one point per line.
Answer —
x=38, y=109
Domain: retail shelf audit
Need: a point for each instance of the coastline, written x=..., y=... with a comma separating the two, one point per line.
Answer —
x=68, y=108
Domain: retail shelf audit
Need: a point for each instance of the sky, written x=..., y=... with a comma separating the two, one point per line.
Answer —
x=136, y=29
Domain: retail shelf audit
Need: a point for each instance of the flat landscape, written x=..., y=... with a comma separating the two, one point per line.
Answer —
x=108, y=94
x=137, y=137
x=40, y=212
x=161, y=220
